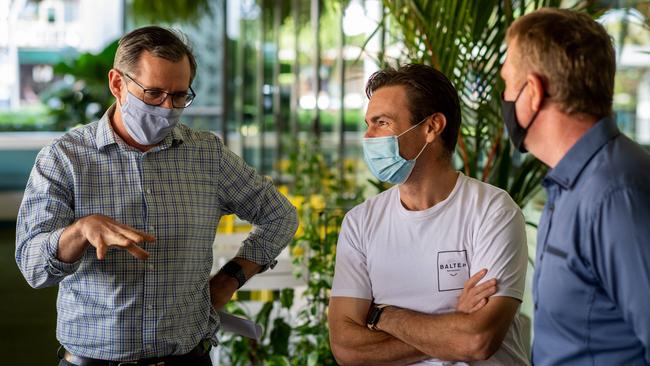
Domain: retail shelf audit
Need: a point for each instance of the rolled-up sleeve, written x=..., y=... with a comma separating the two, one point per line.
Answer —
x=45, y=212
x=253, y=198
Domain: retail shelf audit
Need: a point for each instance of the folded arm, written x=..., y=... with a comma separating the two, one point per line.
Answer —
x=354, y=344
x=454, y=336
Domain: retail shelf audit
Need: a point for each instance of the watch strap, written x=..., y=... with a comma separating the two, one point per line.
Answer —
x=234, y=270
x=374, y=314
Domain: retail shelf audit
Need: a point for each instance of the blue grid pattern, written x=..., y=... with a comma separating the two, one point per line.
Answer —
x=122, y=308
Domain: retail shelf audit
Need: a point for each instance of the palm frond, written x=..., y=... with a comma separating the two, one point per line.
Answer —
x=465, y=39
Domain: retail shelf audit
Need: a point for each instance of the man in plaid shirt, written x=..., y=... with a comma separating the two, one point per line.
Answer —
x=121, y=214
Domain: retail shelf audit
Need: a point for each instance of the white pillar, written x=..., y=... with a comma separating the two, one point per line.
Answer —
x=100, y=22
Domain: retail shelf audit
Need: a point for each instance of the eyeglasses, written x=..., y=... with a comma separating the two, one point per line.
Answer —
x=157, y=97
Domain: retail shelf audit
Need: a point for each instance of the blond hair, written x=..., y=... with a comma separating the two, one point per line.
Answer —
x=572, y=54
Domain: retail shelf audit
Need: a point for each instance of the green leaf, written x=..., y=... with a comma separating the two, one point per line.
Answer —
x=286, y=297
x=280, y=337
x=263, y=317
x=312, y=360
x=277, y=360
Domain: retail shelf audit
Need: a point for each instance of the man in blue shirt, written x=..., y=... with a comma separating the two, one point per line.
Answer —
x=592, y=279
x=122, y=214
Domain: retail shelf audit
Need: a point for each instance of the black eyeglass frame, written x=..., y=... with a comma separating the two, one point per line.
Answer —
x=191, y=94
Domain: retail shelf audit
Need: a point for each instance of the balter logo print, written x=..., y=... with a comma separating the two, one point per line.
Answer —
x=453, y=270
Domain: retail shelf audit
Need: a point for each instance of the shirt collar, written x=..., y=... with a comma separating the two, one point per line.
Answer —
x=567, y=171
x=105, y=135
x=174, y=138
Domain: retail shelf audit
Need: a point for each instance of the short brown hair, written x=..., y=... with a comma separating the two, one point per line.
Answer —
x=161, y=42
x=428, y=91
x=573, y=55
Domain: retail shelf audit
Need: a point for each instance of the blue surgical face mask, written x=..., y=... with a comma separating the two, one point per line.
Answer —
x=148, y=124
x=383, y=158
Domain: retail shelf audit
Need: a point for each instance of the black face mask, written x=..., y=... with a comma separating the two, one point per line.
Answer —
x=515, y=131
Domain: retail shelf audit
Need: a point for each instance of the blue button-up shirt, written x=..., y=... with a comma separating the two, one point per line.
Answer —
x=592, y=279
x=122, y=308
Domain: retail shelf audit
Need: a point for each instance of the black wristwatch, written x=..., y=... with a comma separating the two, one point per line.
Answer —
x=373, y=316
x=234, y=270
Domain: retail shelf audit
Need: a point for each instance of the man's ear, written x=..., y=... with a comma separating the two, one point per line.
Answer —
x=116, y=84
x=536, y=91
x=435, y=125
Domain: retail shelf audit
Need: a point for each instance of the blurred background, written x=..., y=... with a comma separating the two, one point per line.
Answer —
x=282, y=82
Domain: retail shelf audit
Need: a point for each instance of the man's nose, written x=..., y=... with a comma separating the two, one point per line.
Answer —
x=167, y=103
x=370, y=132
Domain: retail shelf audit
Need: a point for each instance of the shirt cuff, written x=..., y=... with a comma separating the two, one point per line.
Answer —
x=256, y=254
x=55, y=266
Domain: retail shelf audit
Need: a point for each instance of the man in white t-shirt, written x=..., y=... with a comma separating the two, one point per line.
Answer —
x=405, y=256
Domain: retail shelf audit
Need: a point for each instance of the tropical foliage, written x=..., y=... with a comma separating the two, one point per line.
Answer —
x=322, y=197
x=165, y=11
x=82, y=95
x=465, y=40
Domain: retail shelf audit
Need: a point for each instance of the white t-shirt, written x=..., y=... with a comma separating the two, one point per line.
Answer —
x=419, y=260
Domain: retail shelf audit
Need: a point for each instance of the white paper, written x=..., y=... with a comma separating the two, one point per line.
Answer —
x=240, y=326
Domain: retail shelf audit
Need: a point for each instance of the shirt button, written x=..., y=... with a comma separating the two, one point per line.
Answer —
x=151, y=228
x=148, y=347
x=148, y=190
x=149, y=307
x=150, y=267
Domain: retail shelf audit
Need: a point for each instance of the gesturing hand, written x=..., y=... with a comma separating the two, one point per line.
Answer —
x=102, y=232
x=475, y=297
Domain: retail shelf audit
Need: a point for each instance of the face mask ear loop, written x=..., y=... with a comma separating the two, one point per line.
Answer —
x=412, y=127
x=532, y=120
x=421, y=151
x=520, y=91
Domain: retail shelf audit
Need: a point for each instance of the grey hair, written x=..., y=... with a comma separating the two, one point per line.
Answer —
x=161, y=42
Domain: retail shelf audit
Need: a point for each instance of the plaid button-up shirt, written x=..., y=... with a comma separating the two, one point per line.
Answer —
x=123, y=308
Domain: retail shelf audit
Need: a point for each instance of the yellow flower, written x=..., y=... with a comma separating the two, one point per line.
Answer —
x=297, y=251
x=322, y=232
x=317, y=202
x=284, y=190
x=349, y=164
x=300, y=232
x=283, y=165
x=297, y=201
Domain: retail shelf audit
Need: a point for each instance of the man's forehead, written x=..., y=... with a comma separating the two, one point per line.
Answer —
x=389, y=97
x=148, y=58
x=388, y=110
x=389, y=102
x=157, y=72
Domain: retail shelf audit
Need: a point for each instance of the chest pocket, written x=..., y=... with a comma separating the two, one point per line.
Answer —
x=564, y=277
